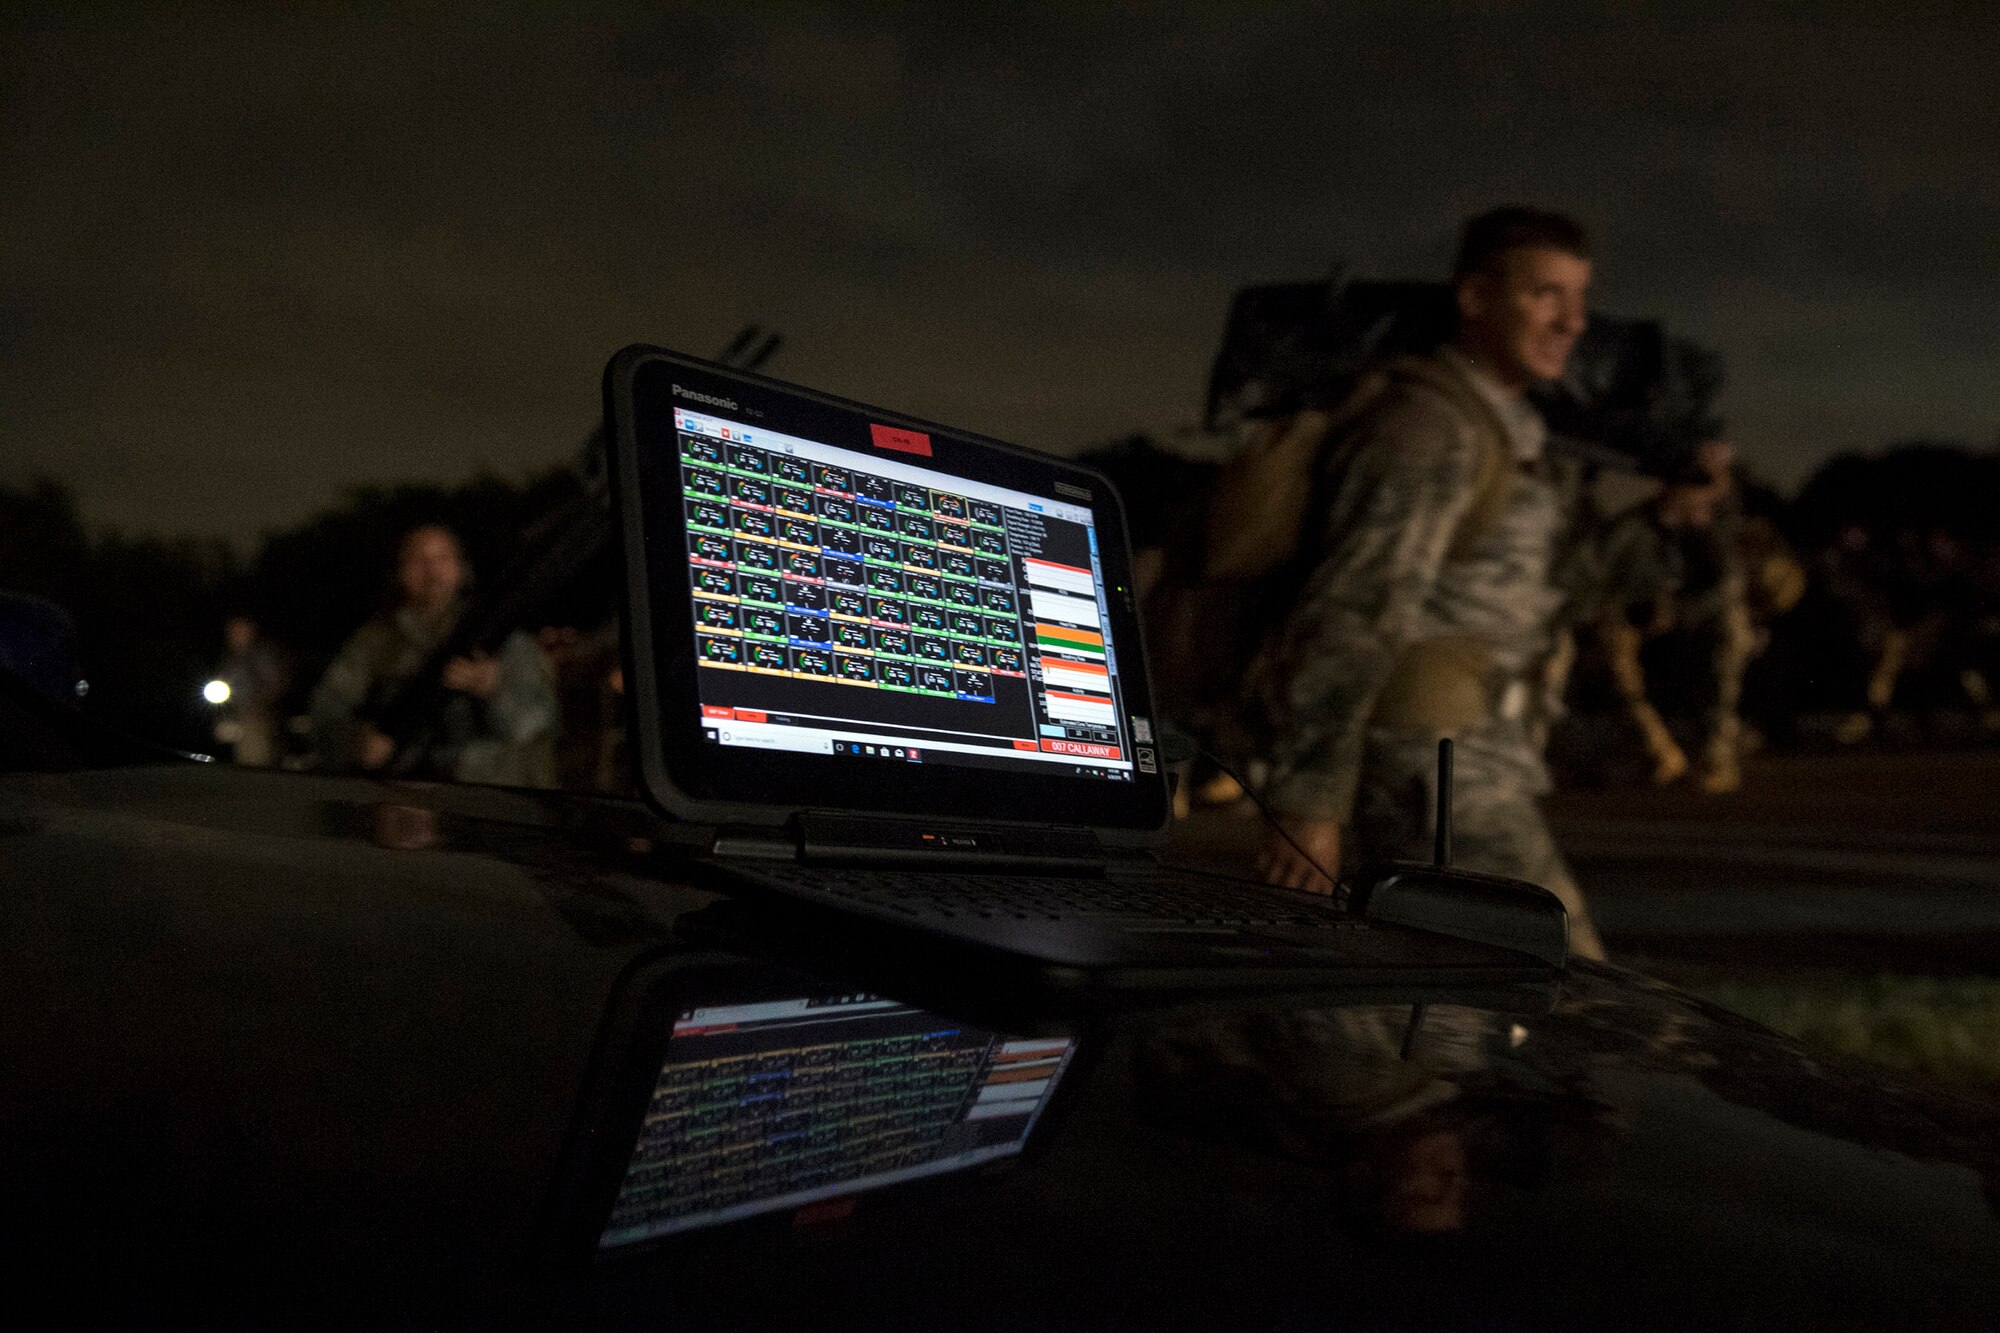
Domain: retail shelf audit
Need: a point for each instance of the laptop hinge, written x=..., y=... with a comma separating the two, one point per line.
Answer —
x=840, y=839
x=756, y=843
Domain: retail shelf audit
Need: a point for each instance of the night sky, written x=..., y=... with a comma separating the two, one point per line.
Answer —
x=249, y=261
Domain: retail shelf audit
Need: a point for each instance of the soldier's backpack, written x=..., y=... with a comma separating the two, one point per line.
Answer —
x=1223, y=596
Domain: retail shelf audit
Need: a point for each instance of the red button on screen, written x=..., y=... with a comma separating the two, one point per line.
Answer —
x=900, y=441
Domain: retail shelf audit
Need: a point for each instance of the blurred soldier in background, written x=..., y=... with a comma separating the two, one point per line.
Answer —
x=1841, y=652
x=1674, y=573
x=497, y=719
x=256, y=676
x=1428, y=606
x=1903, y=605
x=591, y=752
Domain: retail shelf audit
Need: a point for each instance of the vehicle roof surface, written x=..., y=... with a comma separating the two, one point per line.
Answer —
x=282, y=1046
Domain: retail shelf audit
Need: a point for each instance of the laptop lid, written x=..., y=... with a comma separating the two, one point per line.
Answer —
x=832, y=606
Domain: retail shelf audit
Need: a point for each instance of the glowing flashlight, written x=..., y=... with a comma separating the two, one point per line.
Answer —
x=216, y=691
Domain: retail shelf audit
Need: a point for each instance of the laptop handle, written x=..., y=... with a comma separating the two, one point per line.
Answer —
x=924, y=844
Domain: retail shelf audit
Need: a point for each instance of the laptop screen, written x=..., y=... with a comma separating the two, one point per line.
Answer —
x=778, y=1103
x=873, y=608
x=837, y=607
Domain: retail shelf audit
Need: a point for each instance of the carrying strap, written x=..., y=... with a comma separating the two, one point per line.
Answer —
x=1492, y=486
x=1444, y=685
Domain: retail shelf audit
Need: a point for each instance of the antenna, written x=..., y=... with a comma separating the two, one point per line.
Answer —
x=1441, y=855
x=739, y=344
x=763, y=353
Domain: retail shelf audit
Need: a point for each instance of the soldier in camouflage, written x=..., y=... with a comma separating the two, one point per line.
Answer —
x=1428, y=607
x=1673, y=566
x=498, y=721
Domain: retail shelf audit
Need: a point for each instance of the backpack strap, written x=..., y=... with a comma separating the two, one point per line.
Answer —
x=1493, y=484
x=1445, y=684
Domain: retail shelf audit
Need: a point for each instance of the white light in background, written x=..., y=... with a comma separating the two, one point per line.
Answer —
x=216, y=691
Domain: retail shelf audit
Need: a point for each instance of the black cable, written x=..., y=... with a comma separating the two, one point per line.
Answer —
x=1339, y=889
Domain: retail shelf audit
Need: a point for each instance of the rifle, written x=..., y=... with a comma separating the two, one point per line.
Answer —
x=555, y=550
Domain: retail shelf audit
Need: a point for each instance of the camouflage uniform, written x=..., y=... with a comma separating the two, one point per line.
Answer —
x=1420, y=617
x=507, y=739
x=1690, y=582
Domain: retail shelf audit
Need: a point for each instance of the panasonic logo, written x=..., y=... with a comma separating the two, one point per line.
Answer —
x=710, y=399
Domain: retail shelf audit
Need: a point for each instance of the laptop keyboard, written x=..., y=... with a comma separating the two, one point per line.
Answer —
x=1163, y=896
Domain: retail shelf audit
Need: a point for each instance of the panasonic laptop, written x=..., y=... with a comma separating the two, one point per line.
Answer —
x=896, y=668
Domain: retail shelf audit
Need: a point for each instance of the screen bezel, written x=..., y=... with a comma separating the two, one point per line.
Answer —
x=692, y=778
x=650, y=994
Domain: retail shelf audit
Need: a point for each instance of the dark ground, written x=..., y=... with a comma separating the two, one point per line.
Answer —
x=1873, y=862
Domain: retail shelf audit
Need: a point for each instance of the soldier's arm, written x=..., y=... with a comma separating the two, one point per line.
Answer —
x=1400, y=491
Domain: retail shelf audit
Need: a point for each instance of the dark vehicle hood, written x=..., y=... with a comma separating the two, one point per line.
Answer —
x=280, y=1045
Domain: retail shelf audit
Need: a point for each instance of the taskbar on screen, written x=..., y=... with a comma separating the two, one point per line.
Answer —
x=1076, y=758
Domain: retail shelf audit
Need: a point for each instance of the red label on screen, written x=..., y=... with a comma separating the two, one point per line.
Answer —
x=901, y=441
x=1082, y=749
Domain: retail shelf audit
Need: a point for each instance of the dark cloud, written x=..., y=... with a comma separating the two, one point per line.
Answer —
x=249, y=259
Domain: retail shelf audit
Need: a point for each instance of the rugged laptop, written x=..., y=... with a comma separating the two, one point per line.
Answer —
x=897, y=668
